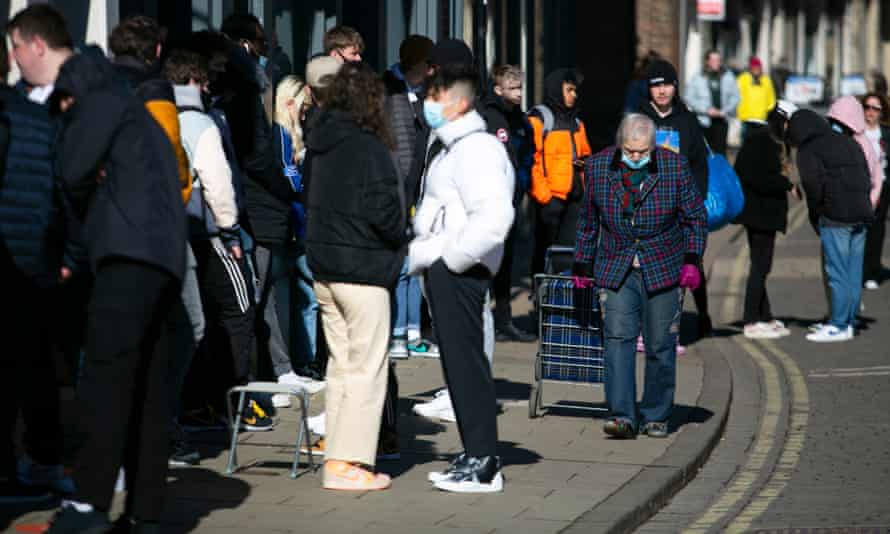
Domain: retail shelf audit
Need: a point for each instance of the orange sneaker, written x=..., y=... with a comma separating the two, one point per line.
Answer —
x=345, y=476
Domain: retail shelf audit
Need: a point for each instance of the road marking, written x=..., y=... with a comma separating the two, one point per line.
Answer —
x=743, y=483
x=848, y=375
x=850, y=372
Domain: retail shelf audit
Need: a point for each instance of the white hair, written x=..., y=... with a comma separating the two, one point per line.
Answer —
x=636, y=126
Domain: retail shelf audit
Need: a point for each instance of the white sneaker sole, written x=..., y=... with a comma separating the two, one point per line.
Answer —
x=281, y=401
x=495, y=486
x=836, y=339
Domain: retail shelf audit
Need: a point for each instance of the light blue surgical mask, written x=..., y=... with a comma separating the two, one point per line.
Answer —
x=263, y=60
x=432, y=112
x=635, y=165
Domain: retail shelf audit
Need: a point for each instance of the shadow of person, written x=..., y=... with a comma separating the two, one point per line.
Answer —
x=194, y=493
x=684, y=414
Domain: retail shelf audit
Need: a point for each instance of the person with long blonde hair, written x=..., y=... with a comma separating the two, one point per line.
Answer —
x=291, y=96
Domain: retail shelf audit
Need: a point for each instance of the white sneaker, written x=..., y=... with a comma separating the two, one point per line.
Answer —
x=850, y=332
x=290, y=378
x=311, y=385
x=779, y=327
x=871, y=284
x=471, y=486
x=830, y=334
x=398, y=349
x=281, y=400
x=761, y=330
x=815, y=327
x=441, y=403
x=317, y=423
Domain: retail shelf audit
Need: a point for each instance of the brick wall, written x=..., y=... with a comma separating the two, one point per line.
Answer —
x=658, y=28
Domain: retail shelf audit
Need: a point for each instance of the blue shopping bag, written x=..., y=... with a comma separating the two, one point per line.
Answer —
x=725, y=197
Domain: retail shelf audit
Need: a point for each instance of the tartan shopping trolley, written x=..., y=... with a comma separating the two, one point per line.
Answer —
x=568, y=352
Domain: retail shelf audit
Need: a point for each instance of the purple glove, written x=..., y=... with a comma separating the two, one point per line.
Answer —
x=581, y=282
x=690, y=277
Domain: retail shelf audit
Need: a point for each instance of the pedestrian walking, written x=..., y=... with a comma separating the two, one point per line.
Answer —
x=764, y=170
x=641, y=250
x=356, y=230
x=678, y=130
x=877, y=131
x=756, y=93
x=834, y=173
x=713, y=96
x=464, y=215
x=561, y=149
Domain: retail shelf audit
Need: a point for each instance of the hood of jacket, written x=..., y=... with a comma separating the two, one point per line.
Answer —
x=678, y=107
x=553, y=91
x=471, y=122
x=848, y=111
x=87, y=72
x=493, y=100
x=806, y=125
x=330, y=129
x=136, y=71
x=188, y=96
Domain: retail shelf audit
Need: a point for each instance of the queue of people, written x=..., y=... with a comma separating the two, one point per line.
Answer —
x=234, y=222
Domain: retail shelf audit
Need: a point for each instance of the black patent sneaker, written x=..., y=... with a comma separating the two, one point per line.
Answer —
x=477, y=474
x=619, y=428
x=69, y=521
x=655, y=430
x=183, y=454
x=455, y=463
x=510, y=333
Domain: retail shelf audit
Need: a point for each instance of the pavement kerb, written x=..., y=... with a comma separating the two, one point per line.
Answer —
x=650, y=490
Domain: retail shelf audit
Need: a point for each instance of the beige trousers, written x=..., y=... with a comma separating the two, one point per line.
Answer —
x=356, y=322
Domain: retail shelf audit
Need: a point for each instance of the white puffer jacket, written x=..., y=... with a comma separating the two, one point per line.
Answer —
x=466, y=205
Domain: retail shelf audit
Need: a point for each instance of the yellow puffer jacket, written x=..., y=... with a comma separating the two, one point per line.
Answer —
x=755, y=100
x=165, y=113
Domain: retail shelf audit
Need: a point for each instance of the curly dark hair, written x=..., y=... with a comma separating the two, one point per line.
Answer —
x=136, y=36
x=358, y=90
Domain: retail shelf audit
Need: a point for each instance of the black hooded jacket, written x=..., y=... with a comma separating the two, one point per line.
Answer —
x=510, y=125
x=356, y=209
x=692, y=140
x=564, y=118
x=833, y=171
x=119, y=169
x=759, y=166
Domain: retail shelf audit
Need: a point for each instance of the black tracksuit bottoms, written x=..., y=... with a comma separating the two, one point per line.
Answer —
x=122, y=395
x=762, y=245
x=456, y=302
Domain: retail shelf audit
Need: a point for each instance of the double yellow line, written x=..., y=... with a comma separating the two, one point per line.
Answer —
x=744, y=484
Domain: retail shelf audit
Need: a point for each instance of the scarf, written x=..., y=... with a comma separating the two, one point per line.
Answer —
x=632, y=179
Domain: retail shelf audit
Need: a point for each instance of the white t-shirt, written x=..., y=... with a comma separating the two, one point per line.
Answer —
x=874, y=136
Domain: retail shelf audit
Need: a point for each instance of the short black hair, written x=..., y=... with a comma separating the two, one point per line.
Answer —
x=4, y=60
x=45, y=21
x=239, y=26
x=137, y=36
x=452, y=74
x=183, y=66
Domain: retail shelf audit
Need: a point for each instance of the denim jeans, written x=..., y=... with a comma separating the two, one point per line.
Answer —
x=406, y=310
x=306, y=306
x=626, y=312
x=844, y=248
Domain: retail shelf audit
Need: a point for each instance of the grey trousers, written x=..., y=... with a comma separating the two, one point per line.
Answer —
x=273, y=311
x=186, y=330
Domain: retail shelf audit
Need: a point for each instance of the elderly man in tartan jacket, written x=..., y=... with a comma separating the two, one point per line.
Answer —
x=640, y=236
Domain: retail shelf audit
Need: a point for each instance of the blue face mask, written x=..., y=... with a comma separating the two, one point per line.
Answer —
x=432, y=112
x=635, y=165
x=263, y=60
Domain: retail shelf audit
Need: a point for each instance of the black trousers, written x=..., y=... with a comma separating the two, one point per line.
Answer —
x=502, y=285
x=555, y=224
x=28, y=381
x=762, y=245
x=122, y=395
x=716, y=134
x=874, y=238
x=228, y=304
x=456, y=301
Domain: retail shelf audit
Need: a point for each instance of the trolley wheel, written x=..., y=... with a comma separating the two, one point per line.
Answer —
x=534, y=397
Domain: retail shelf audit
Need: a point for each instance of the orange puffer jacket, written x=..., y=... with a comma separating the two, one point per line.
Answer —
x=553, y=169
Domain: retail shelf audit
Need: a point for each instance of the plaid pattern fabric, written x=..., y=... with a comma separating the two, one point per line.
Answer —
x=569, y=352
x=667, y=230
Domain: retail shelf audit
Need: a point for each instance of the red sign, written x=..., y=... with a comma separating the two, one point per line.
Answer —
x=711, y=10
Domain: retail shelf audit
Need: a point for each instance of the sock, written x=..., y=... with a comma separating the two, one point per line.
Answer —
x=81, y=507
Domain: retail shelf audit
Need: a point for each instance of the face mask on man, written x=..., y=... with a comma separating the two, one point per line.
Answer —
x=635, y=165
x=433, y=113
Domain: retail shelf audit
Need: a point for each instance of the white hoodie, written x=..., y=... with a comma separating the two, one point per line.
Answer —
x=466, y=205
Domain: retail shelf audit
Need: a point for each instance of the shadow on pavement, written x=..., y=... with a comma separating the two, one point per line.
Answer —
x=188, y=500
x=9, y=513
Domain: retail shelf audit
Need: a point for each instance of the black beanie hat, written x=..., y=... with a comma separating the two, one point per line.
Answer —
x=448, y=51
x=659, y=72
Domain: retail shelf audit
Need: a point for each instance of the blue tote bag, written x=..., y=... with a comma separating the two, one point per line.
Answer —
x=725, y=197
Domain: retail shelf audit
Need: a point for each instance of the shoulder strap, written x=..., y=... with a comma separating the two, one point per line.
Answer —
x=546, y=117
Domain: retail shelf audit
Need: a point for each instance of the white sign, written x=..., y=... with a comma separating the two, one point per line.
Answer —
x=713, y=10
x=853, y=84
x=804, y=89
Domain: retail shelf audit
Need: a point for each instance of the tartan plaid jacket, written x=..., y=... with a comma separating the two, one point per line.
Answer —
x=667, y=228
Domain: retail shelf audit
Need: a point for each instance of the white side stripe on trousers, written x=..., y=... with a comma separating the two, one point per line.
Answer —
x=235, y=274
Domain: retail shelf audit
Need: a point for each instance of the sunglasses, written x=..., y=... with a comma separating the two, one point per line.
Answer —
x=874, y=108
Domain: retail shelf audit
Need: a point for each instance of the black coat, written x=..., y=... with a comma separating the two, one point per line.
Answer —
x=355, y=212
x=407, y=124
x=759, y=166
x=833, y=171
x=132, y=209
x=692, y=140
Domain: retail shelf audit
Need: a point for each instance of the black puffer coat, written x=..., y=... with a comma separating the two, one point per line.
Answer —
x=759, y=166
x=833, y=171
x=119, y=169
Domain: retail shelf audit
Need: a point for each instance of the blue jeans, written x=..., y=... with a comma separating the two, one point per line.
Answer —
x=406, y=311
x=626, y=312
x=306, y=306
x=844, y=248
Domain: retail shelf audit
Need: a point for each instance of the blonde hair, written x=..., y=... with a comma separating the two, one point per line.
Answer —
x=291, y=88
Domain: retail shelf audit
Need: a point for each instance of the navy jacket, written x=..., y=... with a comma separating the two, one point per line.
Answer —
x=32, y=229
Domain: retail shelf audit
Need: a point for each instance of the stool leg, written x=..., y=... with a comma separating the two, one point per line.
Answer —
x=293, y=470
x=235, y=423
x=304, y=404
